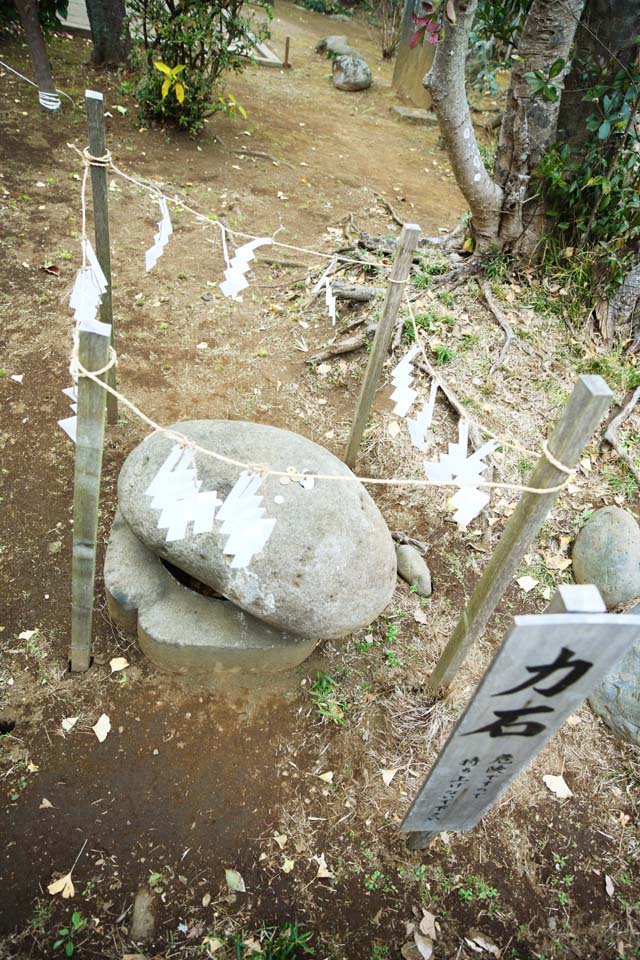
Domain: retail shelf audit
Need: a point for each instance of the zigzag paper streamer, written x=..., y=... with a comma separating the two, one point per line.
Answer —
x=330, y=301
x=235, y=280
x=175, y=491
x=89, y=285
x=70, y=424
x=402, y=378
x=161, y=238
x=467, y=502
x=244, y=520
x=420, y=424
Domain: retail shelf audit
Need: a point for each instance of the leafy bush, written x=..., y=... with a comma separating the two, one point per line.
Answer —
x=592, y=190
x=50, y=12
x=323, y=6
x=181, y=53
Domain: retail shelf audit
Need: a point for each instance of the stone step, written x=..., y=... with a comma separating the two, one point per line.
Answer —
x=182, y=631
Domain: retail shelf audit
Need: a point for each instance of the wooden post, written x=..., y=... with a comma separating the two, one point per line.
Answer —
x=586, y=407
x=287, y=44
x=543, y=670
x=93, y=355
x=99, y=189
x=404, y=257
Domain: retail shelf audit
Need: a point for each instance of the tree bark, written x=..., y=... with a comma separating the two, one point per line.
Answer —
x=446, y=83
x=28, y=13
x=605, y=38
x=529, y=124
x=111, y=41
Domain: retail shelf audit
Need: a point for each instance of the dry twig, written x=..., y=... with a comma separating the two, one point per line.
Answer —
x=504, y=323
x=611, y=433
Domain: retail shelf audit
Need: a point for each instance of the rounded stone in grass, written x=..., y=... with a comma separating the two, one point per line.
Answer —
x=607, y=554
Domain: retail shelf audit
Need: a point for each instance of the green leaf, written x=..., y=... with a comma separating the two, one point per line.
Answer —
x=162, y=67
x=69, y=947
x=606, y=185
x=556, y=68
x=166, y=86
x=179, y=69
x=605, y=130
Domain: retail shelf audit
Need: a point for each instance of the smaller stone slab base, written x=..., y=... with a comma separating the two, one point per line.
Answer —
x=183, y=631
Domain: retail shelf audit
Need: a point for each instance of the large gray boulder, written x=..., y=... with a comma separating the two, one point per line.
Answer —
x=351, y=72
x=617, y=700
x=607, y=553
x=328, y=568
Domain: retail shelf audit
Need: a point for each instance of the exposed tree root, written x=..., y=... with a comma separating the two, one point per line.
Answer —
x=611, y=433
x=504, y=323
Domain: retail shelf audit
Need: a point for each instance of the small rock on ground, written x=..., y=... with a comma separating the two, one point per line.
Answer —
x=351, y=73
x=413, y=569
x=607, y=553
x=143, y=921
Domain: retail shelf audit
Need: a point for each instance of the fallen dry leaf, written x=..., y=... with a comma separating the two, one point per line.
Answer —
x=428, y=925
x=388, y=775
x=45, y=804
x=481, y=942
x=27, y=634
x=102, y=727
x=327, y=777
x=118, y=663
x=323, y=870
x=393, y=429
x=420, y=615
x=206, y=900
x=323, y=369
x=32, y=767
x=527, y=583
x=64, y=886
x=557, y=785
x=608, y=885
x=288, y=865
x=423, y=944
x=280, y=839
x=234, y=881
x=410, y=952
x=68, y=723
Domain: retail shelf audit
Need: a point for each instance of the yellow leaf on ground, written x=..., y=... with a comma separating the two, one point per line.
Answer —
x=118, y=663
x=102, y=727
x=64, y=886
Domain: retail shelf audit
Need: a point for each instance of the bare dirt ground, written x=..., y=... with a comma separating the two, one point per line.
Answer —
x=194, y=780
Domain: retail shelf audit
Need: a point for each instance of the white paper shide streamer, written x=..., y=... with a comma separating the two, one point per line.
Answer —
x=330, y=301
x=86, y=296
x=456, y=465
x=402, y=378
x=176, y=492
x=161, y=238
x=70, y=424
x=235, y=281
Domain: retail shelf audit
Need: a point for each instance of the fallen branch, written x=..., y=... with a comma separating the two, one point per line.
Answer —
x=261, y=155
x=345, y=346
x=475, y=435
x=356, y=291
x=611, y=433
x=388, y=207
x=504, y=323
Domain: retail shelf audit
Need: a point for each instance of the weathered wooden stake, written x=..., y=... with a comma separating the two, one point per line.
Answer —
x=93, y=355
x=543, y=670
x=287, y=45
x=586, y=407
x=384, y=332
x=99, y=189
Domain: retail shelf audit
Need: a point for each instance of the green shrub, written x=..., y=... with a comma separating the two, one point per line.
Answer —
x=181, y=52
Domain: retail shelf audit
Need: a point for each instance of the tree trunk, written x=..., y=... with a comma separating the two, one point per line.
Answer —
x=504, y=215
x=446, y=84
x=28, y=13
x=529, y=124
x=605, y=38
x=111, y=41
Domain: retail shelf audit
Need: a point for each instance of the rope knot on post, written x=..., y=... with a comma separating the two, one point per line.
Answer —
x=91, y=161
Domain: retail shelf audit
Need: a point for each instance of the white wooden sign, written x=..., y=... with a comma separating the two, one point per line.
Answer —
x=544, y=669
